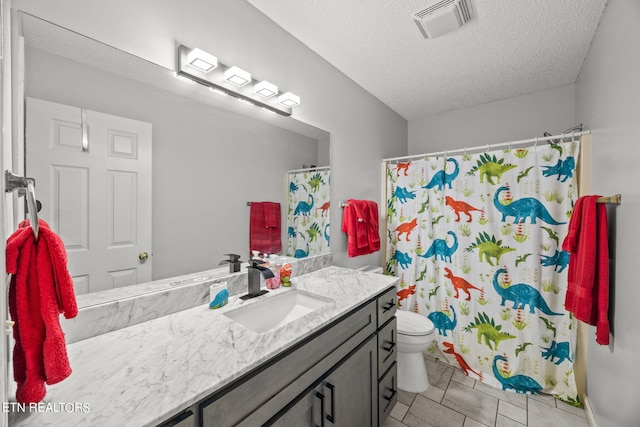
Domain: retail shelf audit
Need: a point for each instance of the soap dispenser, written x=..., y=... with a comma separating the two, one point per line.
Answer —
x=274, y=266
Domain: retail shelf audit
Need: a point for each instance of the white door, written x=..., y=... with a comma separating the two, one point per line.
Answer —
x=94, y=184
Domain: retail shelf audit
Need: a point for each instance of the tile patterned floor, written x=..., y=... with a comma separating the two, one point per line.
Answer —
x=455, y=400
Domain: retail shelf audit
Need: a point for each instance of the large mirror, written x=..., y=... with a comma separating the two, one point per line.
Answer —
x=205, y=159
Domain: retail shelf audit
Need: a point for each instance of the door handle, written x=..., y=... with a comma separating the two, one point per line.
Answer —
x=143, y=256
x=332, y=418
x=388, y=306
x=321, y=397
x=389, y=347
x=390, y=397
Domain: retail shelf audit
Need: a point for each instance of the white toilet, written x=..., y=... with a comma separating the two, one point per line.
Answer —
x=414, y=334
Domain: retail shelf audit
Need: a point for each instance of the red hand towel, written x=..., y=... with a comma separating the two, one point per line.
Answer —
x=264, y=227
x=588, y=277
x=360, y=222
x=40, y=290
x=360, y=208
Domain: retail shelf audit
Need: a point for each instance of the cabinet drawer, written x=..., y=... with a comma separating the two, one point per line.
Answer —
x=386, y=306
x=387, y=393
x=387, y=350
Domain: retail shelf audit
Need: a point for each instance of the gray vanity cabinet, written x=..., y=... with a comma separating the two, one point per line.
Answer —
x=332, y=378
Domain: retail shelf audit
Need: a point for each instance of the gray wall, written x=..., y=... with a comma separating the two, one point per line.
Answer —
x=207, y=163
x=521, y=117
x=363, y=129
x=608, y=102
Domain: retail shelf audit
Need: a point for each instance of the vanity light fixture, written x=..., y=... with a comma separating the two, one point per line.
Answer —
x=237, y=76
x=202, y=60
x=266, y=89
x=289, y=99
x=197, y=66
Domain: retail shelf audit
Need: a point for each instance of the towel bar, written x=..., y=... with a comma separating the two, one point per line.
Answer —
x=615, y=199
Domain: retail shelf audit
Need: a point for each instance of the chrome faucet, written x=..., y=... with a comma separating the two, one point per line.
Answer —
x=254, y=271
x=234, y=262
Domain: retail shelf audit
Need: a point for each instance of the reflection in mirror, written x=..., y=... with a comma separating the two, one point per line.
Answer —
x=308, y=217
x=199, y=159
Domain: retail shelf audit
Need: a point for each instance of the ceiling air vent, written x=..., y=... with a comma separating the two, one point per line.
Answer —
x=443, y=17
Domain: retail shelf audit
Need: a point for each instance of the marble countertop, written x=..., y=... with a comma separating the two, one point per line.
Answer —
x=107, y=311
x=146, y=373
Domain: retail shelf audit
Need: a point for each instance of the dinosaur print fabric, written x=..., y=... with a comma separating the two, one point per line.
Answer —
x=308, y=213
x=475, y=241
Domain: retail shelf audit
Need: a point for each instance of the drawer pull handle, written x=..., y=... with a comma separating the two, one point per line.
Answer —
x=388, y=306
x=389, y=347
x=332, y=417
x=321, y=397
x=390, y=398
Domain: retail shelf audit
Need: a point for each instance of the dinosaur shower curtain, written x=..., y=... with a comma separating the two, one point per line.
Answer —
x=308, y=213
x=476, y=243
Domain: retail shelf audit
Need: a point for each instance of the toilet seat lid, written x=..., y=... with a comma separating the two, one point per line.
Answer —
x=410, y=323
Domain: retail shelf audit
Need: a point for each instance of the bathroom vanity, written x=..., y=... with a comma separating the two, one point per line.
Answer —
x=335, y=365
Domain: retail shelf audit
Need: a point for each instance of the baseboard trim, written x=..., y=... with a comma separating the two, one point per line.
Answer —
x=589, y=411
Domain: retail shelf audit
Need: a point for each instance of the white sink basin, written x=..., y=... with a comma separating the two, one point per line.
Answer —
x=274, y=311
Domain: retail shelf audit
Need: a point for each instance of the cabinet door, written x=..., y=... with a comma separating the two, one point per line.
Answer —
x=350, y=392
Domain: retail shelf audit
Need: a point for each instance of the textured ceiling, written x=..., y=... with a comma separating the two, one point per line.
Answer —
x=510, y=48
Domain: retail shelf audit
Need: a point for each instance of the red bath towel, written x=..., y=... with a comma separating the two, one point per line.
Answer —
x=264, y=227
x=588, y=282
x=360, y=222
x=40, y=290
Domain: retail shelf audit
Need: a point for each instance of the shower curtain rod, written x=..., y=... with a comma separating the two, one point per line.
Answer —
x=572, y=135
x=309, y=169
